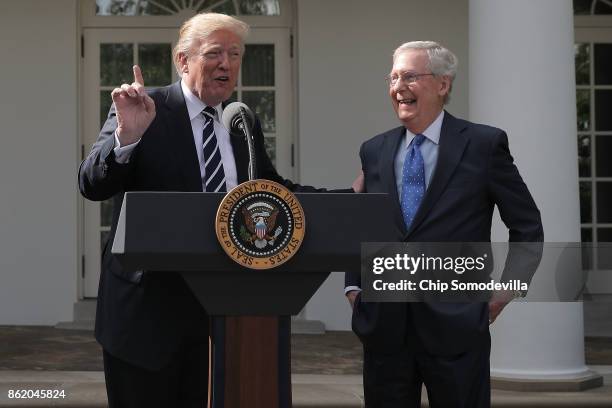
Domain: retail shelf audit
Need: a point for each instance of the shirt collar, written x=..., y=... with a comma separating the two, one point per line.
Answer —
x=432, y=132
x=195, y=106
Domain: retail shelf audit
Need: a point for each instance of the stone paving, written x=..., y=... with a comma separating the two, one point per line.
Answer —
x=334, y=353
x=326, y=371
x=48, y=348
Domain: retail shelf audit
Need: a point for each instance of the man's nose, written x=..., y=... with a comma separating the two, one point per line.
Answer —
x=224, y=60
x=398, y=86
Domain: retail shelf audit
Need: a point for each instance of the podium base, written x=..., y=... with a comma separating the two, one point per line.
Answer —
x=251, y=362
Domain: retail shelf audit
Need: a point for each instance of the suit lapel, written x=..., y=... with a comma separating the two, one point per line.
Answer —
x=452, y=145
x=387, y=171
x=179, y=127
x=241, y=155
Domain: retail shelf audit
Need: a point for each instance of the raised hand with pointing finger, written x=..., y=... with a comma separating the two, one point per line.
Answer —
x=135, y=109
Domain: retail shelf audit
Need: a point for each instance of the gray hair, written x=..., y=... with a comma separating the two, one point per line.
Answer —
x=442, y=62
x=200, y=27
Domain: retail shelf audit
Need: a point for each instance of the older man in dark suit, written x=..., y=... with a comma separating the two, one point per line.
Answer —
x=153, y=331
x=445, y=176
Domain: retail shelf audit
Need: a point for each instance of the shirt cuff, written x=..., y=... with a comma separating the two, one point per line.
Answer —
x=123, y=153
x=351, y=288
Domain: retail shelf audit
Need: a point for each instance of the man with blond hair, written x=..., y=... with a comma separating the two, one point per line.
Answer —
x=153, y=331
x=445, y=175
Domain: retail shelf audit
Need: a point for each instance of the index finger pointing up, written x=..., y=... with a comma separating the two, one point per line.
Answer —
x=138, y=75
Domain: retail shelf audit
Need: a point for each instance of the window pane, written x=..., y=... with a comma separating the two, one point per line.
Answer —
x=258, y=65
x=583, y=107
x=116, y=62
x=226, y=8
x=604, y=201
x=106, y=213
x=582, y=7
x=586, y=236
x=233, y=98
x=603, y=107
x=158, y=7
x=602, y=7
x=604, y=155
x=584, y=156
x=581, y=58
x=603, y=64
x=134, y=7
x=270, y=143
x=207, y=4
x=263, y=104
x=105, y=103
x=585, y=202
x=604, y=255
x=259, y=7
x=116, y=8
x=156, y=63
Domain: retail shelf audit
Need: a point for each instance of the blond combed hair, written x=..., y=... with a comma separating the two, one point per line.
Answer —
x=199, y=27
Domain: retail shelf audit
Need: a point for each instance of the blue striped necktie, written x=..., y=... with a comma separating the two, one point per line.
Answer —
x=213, y=165
x=413, y=180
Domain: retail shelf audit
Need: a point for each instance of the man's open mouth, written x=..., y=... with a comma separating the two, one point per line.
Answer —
x=408, y=101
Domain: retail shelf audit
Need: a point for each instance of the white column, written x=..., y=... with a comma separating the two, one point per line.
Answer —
x=521, y=79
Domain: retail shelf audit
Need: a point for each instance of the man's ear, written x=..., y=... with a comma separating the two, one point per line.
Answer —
x=182, y=62
x=445, y=85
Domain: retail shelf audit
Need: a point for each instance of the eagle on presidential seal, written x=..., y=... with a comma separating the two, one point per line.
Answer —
x=260, y=220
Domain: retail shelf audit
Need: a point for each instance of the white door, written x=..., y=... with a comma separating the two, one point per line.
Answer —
x=109, y=53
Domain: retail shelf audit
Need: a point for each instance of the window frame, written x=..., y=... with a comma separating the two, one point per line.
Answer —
x=89, y=18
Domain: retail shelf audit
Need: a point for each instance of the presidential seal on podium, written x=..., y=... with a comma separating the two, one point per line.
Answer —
x=260, y=224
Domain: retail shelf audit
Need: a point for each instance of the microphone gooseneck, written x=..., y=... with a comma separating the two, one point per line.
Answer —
x=238, y=118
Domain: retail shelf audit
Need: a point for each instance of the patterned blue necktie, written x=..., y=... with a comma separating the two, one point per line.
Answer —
x=213, y=166
x=413, y=180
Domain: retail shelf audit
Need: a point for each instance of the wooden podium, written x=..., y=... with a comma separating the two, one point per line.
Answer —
x=250, y=309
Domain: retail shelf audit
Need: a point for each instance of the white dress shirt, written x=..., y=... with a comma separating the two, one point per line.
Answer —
x=429, y=151
x=195, y=106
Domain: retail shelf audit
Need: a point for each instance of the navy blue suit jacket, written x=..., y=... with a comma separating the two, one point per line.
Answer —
x=474, y=173
x=145, y=317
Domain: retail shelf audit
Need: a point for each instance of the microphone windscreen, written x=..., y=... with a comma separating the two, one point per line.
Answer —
x=231, y=116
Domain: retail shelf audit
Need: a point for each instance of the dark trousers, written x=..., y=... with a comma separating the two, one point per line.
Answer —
x=395, y=380
x=181, y=384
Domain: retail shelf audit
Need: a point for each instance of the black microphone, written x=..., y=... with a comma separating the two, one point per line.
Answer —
x=232, y=117
x=238, y=118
